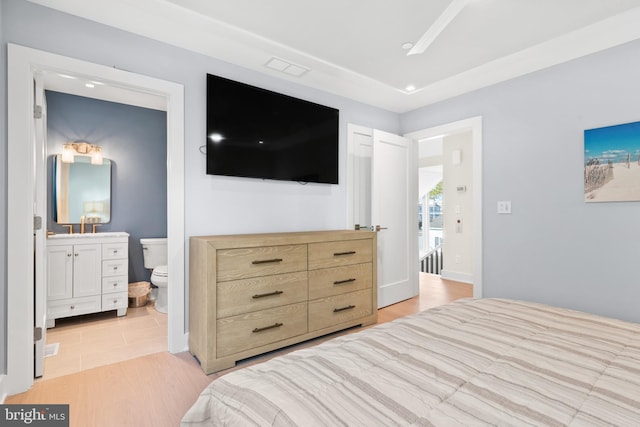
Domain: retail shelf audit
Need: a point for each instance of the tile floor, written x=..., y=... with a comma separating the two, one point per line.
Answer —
x=99, y=339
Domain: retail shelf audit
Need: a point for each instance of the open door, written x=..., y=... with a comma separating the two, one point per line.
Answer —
x=382, y=186
x=40, y=226
x=394, y=201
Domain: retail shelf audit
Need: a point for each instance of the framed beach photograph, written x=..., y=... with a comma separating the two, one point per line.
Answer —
x=612, y=163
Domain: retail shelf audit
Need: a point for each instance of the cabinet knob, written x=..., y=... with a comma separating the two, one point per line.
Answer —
x=115, y=267
x=115, y=284
x=76, y=254
x=115, y=301
x=72, y=307
x=115, y=252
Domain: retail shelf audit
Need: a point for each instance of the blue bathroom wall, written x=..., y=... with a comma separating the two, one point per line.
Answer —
x=135, y=140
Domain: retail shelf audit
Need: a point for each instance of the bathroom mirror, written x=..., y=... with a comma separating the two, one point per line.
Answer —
x=81, y=189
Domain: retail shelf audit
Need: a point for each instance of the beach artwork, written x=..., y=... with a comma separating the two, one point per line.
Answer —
x=612, y=163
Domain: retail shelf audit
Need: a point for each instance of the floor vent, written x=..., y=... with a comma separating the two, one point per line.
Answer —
x=51, y=349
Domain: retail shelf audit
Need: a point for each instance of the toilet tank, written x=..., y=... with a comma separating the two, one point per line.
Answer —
x=154, y=251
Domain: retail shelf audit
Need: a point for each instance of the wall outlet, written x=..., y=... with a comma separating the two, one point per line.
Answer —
x=458, y=259
x=504, y=207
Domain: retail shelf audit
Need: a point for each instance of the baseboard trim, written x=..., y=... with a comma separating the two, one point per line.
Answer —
x=457, y=276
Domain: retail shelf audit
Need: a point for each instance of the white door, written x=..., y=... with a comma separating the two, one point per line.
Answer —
x=382, y=186
x=40, y=234
x=394, y=201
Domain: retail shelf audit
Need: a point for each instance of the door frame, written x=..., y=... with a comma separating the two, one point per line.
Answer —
x=474, y=125
x=23, y=64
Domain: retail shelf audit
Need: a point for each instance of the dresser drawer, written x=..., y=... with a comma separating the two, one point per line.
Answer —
x=115, y=301
x=243, y=263
x=326, y=312
x=115, y=250
x=259, y=293
x=116, y=267
x=339, y=280
x=247, y=331
x=115, y=284
x=73, y=307
x=333, y=254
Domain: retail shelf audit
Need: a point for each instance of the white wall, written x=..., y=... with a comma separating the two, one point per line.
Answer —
x=457, y=247
x=553, y=248
x=213, y=205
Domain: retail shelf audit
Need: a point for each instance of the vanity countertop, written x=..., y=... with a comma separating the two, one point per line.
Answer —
x=101, y=235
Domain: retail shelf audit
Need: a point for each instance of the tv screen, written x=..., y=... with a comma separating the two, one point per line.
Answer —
x=253, y=132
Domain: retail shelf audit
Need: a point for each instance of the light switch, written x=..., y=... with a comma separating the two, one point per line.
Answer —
x=504, y=207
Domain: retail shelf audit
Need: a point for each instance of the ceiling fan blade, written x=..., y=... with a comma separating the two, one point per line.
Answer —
x=454, y=8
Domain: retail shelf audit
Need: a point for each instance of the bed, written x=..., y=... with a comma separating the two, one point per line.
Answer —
x=472, y=362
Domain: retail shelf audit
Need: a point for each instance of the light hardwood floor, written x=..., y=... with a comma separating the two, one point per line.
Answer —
x=157, y=389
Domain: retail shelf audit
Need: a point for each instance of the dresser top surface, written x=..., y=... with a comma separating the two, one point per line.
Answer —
x=301, y=237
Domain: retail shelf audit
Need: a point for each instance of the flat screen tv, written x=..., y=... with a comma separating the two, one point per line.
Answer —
x=256, y=133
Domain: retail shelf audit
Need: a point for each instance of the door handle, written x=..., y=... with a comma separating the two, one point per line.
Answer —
x=378, y=228
x=359, y=227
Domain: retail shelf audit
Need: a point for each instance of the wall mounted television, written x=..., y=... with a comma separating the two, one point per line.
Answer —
x=257, y=133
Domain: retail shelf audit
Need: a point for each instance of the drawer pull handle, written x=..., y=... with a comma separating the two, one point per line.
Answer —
x=275, y=325
x=266, y=261
x=344, y=253
x=256, y=296
x=349, y=307
x=342, y=282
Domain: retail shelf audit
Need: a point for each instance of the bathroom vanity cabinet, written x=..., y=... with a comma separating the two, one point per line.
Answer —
x=87, y=273
x=250, y=294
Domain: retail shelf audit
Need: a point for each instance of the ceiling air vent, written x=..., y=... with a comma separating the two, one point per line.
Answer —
x=286, y=67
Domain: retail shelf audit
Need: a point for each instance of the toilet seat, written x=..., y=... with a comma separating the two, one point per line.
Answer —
x=160, y=278
x=160, y=271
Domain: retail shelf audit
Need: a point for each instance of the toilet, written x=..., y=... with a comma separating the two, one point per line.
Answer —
x=154, y=252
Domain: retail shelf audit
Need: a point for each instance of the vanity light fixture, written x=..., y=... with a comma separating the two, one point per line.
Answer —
x=70, y=149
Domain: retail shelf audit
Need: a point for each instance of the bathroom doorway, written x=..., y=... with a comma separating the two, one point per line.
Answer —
x=23, y=66
x=133, y=199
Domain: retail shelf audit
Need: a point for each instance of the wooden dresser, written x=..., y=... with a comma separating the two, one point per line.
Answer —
x=249, y=294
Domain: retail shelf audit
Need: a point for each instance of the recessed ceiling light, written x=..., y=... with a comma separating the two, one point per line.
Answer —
x=66, y=76
x=407, y=45
x=410, y=88
x=90, y=85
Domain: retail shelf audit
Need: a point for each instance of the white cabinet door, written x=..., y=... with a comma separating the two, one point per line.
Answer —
x=59, y=272
x=87, y=270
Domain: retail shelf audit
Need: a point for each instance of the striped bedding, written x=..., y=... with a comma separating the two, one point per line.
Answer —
x=472, y=362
